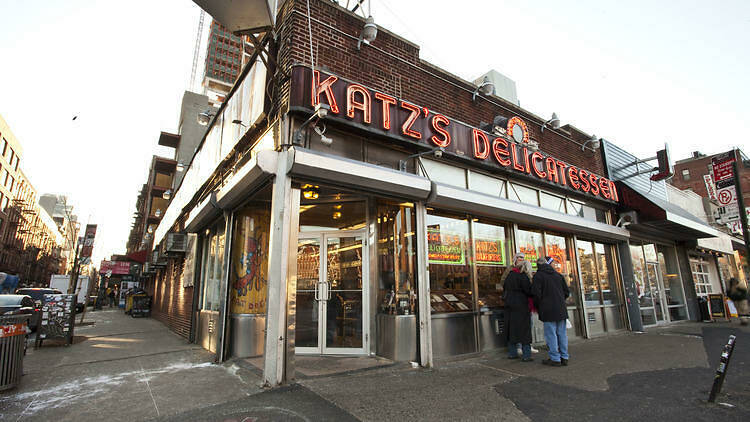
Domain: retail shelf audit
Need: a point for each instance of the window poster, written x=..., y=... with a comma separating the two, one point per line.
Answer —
x=530, y=254
x=489, y=251
x=444, y=247
x=249, y=283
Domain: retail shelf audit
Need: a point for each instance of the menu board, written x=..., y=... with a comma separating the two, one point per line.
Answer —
x=490, y=251
x=716, y=306
x=444, y=247
x=57, y=319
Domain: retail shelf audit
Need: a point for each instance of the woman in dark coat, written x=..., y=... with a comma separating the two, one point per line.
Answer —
x=517, y=290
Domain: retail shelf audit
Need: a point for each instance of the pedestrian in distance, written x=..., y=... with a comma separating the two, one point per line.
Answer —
x=550, y=291
x=111, y=296
x=516, y=293
x=738, y=294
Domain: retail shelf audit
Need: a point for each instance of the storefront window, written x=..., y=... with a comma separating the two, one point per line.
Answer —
x=491, y=256
x=530, y=244
x=213, y=267
x=487, y=185
x=587, y=262
x=523, y=194
x=701, y=277
x=587, y=212
x=557, y=249
x=606, y=274
x=641, y=284
x=675, y=295
x=650, y=252
x=397, y=251
x=449, y=266
x=249, y=276
x=552, y=202
x=324, y=209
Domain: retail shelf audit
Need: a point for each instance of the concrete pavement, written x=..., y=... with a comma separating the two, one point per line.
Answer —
x=135, y=369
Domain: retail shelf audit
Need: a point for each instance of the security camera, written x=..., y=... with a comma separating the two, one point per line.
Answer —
x=321, y=110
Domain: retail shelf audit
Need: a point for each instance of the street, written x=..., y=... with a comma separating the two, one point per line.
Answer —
x=120, y=368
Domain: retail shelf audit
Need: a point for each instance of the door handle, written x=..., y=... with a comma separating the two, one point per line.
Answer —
x=328, y=292
x=317, y=291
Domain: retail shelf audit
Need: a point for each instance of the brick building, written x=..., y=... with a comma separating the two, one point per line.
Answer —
x=689, y=173
x=416, y=186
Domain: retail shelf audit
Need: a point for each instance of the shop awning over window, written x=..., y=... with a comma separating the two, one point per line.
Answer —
x=659, y=218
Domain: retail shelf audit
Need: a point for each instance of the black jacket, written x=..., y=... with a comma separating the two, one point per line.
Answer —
x=517, y=291
x=550, y=291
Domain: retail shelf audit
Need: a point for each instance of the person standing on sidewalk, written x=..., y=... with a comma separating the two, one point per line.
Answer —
x=111, y=296
x=550, y=291
x=740, y=298
x=516, y=292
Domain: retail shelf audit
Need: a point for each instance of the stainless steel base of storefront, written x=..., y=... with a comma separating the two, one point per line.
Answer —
x=491, y=334
x=248, y=335
x=453, y=334
x=397, y=337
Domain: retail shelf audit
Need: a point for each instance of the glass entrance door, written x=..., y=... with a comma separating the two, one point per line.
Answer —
x=657, y=291
x=332, y=293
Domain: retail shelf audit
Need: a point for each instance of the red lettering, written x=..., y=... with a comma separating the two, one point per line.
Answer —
x=594, y=185
x=537, y=157
x=514, y=154
x=481, y=144
x=526, y=160
x=561, y=166
x=387, y=102
x=352, y=104
x=573, y=177
x=436, y=121
x=551, y=169
x=613, y=188
x=406, y=127
x=324, y=87
x=499, y=152
x=585, y=186
x=604, y=185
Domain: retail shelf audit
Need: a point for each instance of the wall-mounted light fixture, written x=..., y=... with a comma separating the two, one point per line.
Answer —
x=239, y=122
x=369, y=32
x=485, y=88
x=167, y=194
x=321, y=111
x=158, y=213
x=553, y=122
x=436, y=152
x=595, y=143
x=204, y=117
x=180, y=166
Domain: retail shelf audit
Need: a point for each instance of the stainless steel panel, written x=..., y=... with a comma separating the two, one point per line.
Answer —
x=453, y=334
x=595, y=321
x=614, y=318
x=247, y=335
x=397, y=337
x=491, y=334
x=207, y=330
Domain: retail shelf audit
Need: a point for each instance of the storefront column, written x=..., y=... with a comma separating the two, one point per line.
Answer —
x=631, y=294
x=691, y=297
x=423, y=289
x=284, y=204
x=224, y=289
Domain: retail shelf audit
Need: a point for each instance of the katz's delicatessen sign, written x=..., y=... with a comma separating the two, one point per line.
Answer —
x=387, y=115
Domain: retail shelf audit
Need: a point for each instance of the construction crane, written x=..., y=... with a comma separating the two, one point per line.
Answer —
x=196, y=50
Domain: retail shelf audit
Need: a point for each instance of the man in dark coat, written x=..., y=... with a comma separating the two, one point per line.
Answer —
x=550, y=291
x=516, y=292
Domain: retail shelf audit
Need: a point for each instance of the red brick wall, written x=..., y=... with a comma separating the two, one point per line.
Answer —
x=698, y=168
x=394, y=67
x=172, y=303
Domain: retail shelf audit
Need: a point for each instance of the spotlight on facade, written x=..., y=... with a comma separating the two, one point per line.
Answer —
x=369, y=32
x=158, y=213
x=239, y=122
x=532, y=146
x=436, y=152
x=310, y=191
x=204, y=117
x=595, y=143
x=180, y=167
x=321, y=111
x=167, y=194
x=553, y=122
x=485, y=88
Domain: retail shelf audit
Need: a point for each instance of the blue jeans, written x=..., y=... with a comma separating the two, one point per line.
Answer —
x=556, y=336
x=525, y=349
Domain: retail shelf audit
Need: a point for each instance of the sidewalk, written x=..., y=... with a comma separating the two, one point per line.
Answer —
x=135, y=369
x=121, y=368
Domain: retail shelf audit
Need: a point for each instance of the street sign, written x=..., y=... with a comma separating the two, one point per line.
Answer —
x=722, y=166
x=710, y=186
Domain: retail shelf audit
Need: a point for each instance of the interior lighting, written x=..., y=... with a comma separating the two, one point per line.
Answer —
x=337, y=207
x=336, y=215
x=310, y=191
x=369, y=32
x=485, y=88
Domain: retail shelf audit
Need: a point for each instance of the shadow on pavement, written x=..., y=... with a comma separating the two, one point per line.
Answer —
x=670, y=394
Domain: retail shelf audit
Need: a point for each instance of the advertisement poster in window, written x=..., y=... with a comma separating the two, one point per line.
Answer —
x=444, y=247
x=490, y=252
x=249, y=284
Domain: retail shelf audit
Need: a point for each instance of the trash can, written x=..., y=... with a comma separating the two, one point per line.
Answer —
x=13, y=331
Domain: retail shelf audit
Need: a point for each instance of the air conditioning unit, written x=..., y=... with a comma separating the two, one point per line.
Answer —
x=176, y=242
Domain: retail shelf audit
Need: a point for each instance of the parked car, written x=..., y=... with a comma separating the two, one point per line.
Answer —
x=20, y=304
x=37, y=293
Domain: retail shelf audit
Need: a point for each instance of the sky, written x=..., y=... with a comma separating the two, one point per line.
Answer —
x=637, y=73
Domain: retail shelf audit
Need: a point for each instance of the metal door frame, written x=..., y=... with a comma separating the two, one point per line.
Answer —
x=322, y=289
x=662, y=297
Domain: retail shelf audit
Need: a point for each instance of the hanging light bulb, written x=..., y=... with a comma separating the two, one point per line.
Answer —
x=336, y=215
x=310, y=191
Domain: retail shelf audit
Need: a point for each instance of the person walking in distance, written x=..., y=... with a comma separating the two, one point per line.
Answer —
x=516, y=292
x=550, y=291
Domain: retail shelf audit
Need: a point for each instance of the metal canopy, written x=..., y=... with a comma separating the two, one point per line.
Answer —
x=240, y=16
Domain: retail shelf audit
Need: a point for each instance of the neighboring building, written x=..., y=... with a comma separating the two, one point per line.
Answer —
x=151, y=203
x=325, y=235
x=67, y=223
x=189, y=133
x=224, y=55
x=30, y=243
